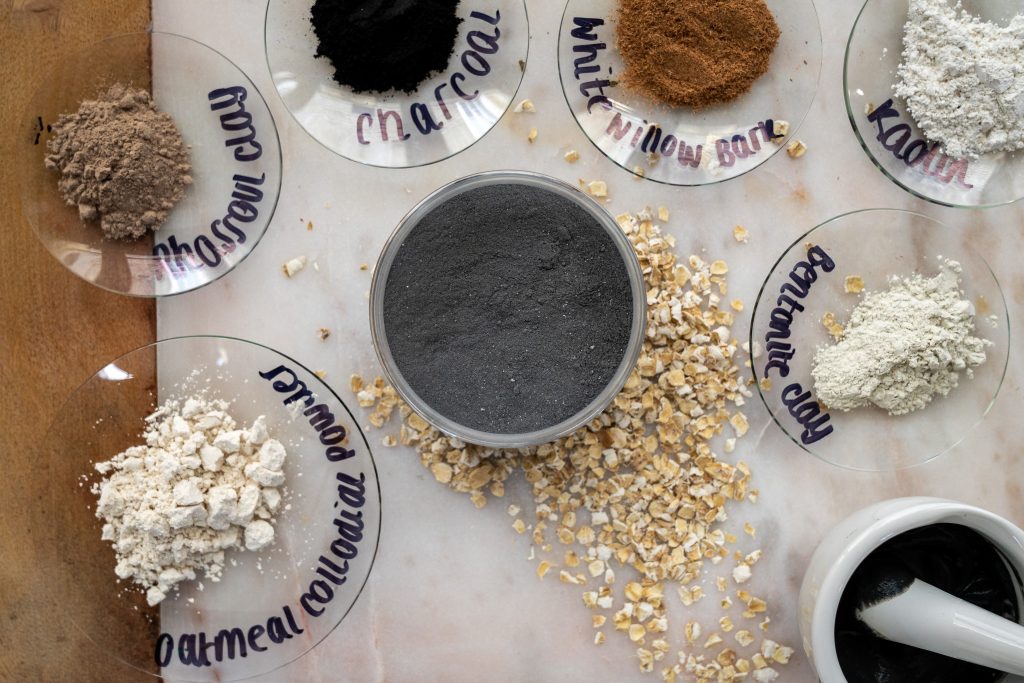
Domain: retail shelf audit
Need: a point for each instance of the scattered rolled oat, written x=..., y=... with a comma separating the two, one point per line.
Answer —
x=663, y=214
x=323, y=333
x=739, y=423
x=320, y=373
x=572, y=156
x=532, y=136
x=639, y=489
x=854, y=284
x=796, y=149
x=364, y=266
x=524, y=106
x=597, y=188
x=639, y=172
x=781, y=130
x=740, y=234
x=294, y=266
x=835, y=329
x=737, y=305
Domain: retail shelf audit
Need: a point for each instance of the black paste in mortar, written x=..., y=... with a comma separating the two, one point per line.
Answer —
x=508, y=308
x=950, y=557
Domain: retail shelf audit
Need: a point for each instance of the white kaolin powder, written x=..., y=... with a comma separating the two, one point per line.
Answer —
x=199, y=486
x=902, y=346
x=963, y=79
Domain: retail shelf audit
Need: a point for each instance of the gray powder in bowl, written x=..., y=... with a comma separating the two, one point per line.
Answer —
x=508, y=309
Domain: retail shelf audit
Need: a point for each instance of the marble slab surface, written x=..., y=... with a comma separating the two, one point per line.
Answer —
x=453, y=596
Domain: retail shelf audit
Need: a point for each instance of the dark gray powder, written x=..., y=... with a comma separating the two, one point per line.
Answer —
x=508, y=309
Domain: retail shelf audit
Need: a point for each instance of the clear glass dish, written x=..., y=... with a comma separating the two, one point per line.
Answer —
x=236, y=166
x=887, y=131
x=105, y=415
x=869, y=438
x=396, y=129
x=692, y=147
x=380, y=339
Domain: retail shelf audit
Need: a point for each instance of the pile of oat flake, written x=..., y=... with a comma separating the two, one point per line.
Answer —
x=639, y=487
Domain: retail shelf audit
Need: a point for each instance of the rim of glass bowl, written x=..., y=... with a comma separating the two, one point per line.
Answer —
x=794, y=126
x=511, y=102
x=68, y=402
x=600, y=402
x=867, y=150
x=753, y=331
x=271, y=210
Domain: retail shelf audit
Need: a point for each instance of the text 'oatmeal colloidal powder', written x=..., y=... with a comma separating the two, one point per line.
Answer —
x=508, y=308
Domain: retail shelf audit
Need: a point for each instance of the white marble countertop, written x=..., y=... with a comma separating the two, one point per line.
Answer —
x=452, y=596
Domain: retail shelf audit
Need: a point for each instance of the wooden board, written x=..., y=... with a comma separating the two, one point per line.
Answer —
x=55, y=331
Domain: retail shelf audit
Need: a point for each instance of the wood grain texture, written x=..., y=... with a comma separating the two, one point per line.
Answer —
x=56, y=331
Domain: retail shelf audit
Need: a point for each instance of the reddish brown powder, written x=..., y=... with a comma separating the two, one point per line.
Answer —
x=695, y=53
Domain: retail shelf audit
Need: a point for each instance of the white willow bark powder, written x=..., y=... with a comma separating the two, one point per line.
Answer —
x=902, y=347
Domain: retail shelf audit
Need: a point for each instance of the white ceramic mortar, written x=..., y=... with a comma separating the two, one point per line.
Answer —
x=845, y=547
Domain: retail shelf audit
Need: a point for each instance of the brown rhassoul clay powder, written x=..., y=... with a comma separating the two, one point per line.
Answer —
x=695, y=53
x=121, y=161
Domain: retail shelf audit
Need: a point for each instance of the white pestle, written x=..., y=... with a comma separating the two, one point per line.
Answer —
x=918, y=614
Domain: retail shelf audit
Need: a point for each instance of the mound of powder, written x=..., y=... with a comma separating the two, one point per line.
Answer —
x=121, y=162
x=963, y=79
x=508, y=308
x=695, y=53
x=382, y=45
x=902, y=346
x=199, y=486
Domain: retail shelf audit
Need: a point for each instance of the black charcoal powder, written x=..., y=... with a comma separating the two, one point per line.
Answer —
x=508, y=308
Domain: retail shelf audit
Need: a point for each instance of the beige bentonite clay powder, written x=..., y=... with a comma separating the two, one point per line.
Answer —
x=902, y=346
x=122, y=162
x=199, y=486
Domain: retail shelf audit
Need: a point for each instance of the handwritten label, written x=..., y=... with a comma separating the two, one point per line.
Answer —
x=227, y=232
x=897, y=137
x=203, y=648
x=388, y=125
x=650, y=138
x=799, y=402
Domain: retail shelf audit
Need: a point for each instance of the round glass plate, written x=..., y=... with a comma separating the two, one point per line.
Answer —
x=809, y=280
x=449, y=112
x=270, y=607
x=887, y=131
x=680, y=146
x=236, y=165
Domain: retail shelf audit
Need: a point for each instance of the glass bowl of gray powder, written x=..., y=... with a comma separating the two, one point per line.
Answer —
x=935, y=93
x=508, y=309
x=218, y=507
x=154, y=177
x=880, y=359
